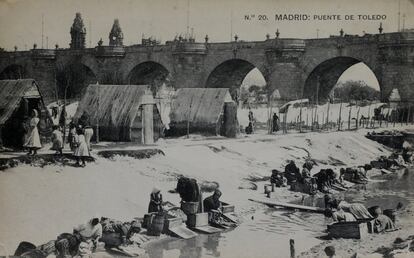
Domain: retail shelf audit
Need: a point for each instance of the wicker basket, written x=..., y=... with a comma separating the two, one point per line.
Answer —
x=189, y=207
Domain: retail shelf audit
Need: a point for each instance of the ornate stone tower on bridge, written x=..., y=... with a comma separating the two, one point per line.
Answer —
x=77, y=33
x=116, y=36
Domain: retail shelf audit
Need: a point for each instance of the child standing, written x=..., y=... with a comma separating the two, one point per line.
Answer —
x=57, y=139
x=81, y=151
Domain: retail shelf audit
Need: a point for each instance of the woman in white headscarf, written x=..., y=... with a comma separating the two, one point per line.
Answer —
x=32, y=141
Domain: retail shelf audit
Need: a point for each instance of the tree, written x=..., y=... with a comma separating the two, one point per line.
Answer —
x=355, y=90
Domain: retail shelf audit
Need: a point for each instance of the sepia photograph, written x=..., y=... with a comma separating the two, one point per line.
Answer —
x=197, y=129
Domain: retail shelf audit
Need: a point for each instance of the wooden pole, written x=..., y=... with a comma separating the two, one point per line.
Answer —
x=408, y=115
x=357, y=118
x=323, y=119
x=307, y=119
x=369, y=114
x=317, y=90
x=97, y=116
x=395, y=117
x=300, y=116
x=327, y=115
x=388, y=117
x=349, y=116
x=286, y=119
x=317, y=122
x=312, y=119
x=340, y=116
x=292, y=248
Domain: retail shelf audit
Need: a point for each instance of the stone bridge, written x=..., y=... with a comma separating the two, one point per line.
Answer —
x=296, y=67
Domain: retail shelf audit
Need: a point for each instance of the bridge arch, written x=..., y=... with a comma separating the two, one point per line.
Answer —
x=230, y=74
x=73, y=78
x=13, y=72
x=322, y=79
x=150, y=73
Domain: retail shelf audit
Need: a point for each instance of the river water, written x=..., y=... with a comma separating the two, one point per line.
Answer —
x=265, y=232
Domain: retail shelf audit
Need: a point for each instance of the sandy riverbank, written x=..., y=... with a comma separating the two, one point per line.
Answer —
x=39, y=203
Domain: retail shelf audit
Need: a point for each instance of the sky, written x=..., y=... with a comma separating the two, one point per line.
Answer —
x=21, y=20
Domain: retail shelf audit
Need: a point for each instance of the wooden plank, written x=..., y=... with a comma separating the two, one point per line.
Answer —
x=230, y=216
x=183, y=232
x=385, y=171
x=289, y=205
x=208, y=229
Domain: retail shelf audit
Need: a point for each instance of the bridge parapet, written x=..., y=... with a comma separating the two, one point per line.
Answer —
x=396, y=39
x=286, y=45
x=189, y=48
x=109, y=51
x=43, y=53
x=14, y=54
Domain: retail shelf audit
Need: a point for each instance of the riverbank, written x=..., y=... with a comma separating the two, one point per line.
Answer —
x=40, y=203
